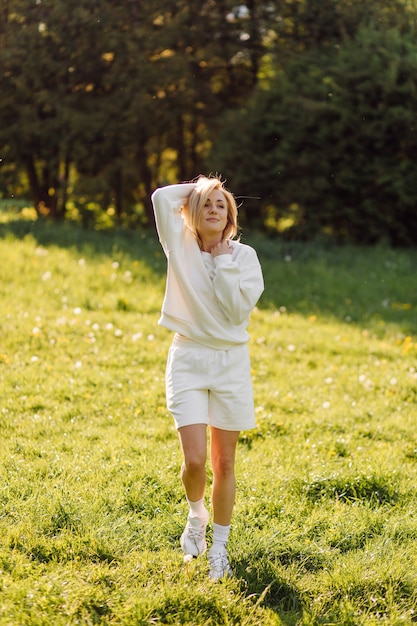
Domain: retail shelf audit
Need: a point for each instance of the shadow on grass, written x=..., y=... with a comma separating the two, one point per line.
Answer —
x=141, y=244
x=261, y=583
x=368, y=286
x=372, y=490
x=364, y=286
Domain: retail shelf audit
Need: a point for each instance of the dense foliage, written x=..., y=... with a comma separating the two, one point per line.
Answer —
x=330, y=145
x=308, y=107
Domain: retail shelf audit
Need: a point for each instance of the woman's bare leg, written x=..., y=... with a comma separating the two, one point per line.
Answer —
x=193, y=474
x=223, y=453
x=193, y=441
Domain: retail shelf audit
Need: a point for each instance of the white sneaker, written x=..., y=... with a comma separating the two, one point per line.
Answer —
x=219, y=564
x=193, y=539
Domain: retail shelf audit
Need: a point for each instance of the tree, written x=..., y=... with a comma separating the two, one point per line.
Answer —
x=64, y=103
x=116, y=98
x=109, y=90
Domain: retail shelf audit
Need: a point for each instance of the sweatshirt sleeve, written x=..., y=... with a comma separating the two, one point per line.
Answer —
x=238, y=284
x=166, y=202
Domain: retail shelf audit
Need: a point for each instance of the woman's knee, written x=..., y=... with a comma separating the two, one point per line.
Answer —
x=194, y=463
x=194, y=447
x=223, y=467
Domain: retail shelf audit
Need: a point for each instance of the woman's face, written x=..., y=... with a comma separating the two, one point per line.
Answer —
x=214, y=215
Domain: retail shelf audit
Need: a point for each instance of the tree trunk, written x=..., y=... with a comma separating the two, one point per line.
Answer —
x=118, y=192
x=43, y=201
x=146, y=180
x=181, y=148
x=62, y=209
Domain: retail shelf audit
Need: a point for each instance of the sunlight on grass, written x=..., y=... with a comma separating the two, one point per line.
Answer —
x=91, y=503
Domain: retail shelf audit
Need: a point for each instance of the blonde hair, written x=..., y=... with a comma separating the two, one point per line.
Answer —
x=195, y=202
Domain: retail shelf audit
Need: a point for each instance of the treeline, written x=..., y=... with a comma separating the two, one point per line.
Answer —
x=307, y=107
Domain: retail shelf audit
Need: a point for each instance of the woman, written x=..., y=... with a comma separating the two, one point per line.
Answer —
x=213, y=283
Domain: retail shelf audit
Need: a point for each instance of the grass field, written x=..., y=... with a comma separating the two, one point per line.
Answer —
x=92, y=508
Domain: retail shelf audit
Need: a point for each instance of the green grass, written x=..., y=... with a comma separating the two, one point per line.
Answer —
x=91, y=506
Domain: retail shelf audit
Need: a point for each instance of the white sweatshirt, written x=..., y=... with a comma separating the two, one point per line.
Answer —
x=207, y=299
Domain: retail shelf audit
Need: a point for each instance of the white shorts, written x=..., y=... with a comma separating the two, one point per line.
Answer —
x=206, y=386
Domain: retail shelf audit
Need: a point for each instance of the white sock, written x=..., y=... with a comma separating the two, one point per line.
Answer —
x=197, y=509
x=220, y=537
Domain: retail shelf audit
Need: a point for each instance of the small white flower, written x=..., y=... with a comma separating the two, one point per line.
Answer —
x=46, y=276
x=188, y=558
x=77, y=310
x=326, y=405
x=136, y=336
x=151, y=337
x=291, y=348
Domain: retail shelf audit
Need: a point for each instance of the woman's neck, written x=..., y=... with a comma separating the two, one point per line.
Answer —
x=208, y=244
